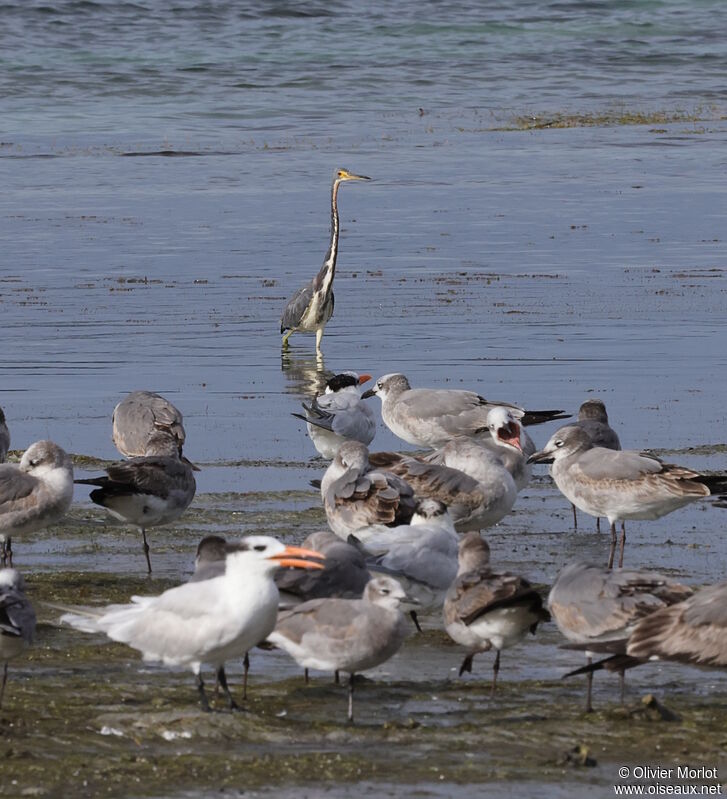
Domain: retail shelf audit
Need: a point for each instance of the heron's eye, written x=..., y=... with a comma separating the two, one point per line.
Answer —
x=260, y=547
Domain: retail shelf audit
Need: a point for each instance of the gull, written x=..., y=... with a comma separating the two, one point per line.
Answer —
x=592, y=418
x=428, y=418
x=147, y=491
x=137, y=417
x=310, y=308
x=339, y=415
x=357, y=496
x=4, y=437
x=691, y=631
x=486, y=610
x=350, y=635
x=204, y=621
x=472, y=480
x=620, y=484
x=17, y=620
x=422, y=555
x=34, y=494
x=597, y=610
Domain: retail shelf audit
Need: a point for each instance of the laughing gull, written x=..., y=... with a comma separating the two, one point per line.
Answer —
x=356, y=496
x=35, y=493
x=422, y=555
x=592, y=418
x=620, y=484
x=17, y=620
x=4, y=437
x=150, y=490
x=692, y=631
x=350, y=635
x=339, y=415
x=310, y=308
x=486, y=610
x=205, y=621
x=597, y=609
x=138, y=416
x=428, y=418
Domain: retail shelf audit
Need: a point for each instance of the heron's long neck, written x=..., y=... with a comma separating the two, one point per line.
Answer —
x=328, y=270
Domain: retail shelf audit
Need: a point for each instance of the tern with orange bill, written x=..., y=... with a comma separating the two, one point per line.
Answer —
x=339, y=415
x=206, y=621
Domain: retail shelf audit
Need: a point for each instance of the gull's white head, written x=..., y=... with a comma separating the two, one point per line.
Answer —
x=564, y=442
x=10, y=578
x=431, y=511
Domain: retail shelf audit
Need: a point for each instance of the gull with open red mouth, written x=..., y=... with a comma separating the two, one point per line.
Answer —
x=429, y=418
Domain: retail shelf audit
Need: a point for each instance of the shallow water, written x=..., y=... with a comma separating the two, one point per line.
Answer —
x=166, y=188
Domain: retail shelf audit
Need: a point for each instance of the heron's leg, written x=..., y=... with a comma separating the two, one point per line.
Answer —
x=575, y=517
x=286, y=337
x=222, y=680
x=495, y=669
x=146, y=550
x=202, y=695
x=623, y=544
x=350, y=697
x=613, y=545
x=319, y=338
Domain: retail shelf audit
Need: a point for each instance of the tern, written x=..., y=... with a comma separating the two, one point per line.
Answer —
x=620, y=484
x=35, y=493
x=339, y=415
x=204, y=621
x=428, y=417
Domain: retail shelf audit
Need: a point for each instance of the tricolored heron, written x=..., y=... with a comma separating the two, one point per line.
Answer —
x=311, y=307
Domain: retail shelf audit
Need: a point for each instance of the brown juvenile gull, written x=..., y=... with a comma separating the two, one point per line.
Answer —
x=35, y=493
x=310, y=308
x=486, y=610
x=428, y=418
x=205, y=621
x=356, y=496
x=597, y=609
x=350, y=635
x=693, y=631
x=620, y=484
x=138, y=416
x=147, y=491
x=592, y=418
x=17, y=620
x=339, y=414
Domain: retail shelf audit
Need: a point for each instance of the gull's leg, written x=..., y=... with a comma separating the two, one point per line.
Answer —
x=146, y=550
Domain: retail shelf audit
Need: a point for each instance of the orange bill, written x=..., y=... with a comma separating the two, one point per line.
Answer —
x=296, y=557
x=363, y=379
